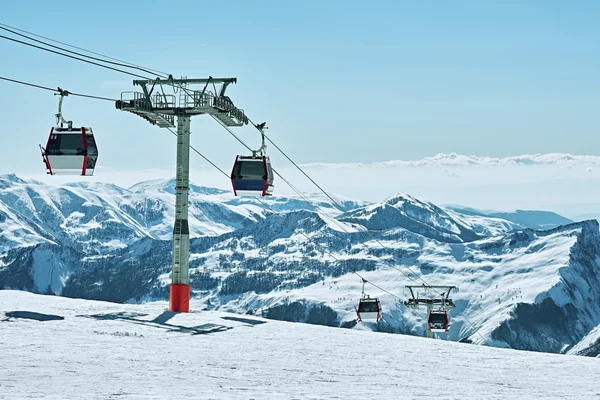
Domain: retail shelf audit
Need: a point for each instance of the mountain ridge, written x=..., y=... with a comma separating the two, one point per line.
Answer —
x=300, y=266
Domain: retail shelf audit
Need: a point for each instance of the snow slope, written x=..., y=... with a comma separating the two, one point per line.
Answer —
x=67, y=348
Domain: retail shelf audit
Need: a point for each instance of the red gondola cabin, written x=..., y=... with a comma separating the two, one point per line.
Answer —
x=438, y=321
x=70, y=151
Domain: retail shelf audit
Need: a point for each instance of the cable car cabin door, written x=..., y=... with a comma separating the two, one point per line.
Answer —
x=71, y=151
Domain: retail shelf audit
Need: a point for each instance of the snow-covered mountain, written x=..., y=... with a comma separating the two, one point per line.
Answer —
x=427, y=219
x=519, y=287
x=98, y=218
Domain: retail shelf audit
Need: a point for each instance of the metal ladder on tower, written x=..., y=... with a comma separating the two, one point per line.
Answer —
x=183, y=93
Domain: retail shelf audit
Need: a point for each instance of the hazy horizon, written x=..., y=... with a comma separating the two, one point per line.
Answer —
x=562, y=183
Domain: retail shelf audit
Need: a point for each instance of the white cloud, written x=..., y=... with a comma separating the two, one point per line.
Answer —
x=552, y=182
x=454, y=159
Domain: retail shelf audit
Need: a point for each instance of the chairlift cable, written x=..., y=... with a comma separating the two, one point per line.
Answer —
x=88, y=61
x=73, y=57
x=30, y=84
x=82, y=49
x=56, y=90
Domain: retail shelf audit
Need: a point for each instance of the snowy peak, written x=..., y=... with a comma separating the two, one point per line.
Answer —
x=421, y=217
x=10, y=180
x=99, y=217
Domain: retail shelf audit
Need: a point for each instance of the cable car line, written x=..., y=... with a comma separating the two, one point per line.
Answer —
x=58, y=90
x=82, y=49
x=55, y=90
x=127, y=65
x=90, y=57
x=91, y=62
x=29, y=84
x=340, y=207
x=79, y=54
x=70, y=56
x=183, y=88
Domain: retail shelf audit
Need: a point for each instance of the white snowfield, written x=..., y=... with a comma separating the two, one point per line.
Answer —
x=59, y=348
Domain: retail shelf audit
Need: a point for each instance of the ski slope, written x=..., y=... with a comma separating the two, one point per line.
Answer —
x=98, y=350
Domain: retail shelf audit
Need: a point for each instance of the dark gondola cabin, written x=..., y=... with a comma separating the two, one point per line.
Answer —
x=252, y=176
x=369, y=310
x=438, y=321
x=70, y=151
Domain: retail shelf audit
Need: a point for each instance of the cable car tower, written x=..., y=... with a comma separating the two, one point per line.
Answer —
x=161, y=109
x=437, y=303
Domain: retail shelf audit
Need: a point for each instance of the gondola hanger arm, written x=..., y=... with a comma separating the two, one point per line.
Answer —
x=263, y=148
x=59, y=117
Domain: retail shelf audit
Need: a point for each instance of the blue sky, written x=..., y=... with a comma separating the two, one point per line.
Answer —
x=337, y=81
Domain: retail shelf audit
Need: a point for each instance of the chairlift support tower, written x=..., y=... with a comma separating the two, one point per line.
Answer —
x=440, y=299
x=158, y=108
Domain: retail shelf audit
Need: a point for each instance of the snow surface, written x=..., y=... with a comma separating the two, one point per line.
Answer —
x=98, y=350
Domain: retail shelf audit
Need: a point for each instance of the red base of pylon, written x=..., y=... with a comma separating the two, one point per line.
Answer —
x=179, y=298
